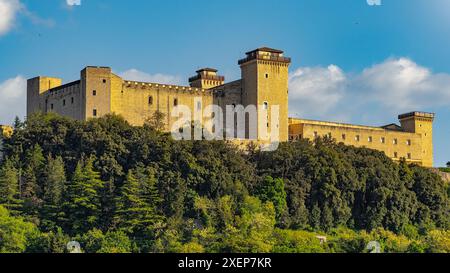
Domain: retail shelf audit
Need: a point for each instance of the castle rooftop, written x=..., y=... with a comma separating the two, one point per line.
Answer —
x=417, y=114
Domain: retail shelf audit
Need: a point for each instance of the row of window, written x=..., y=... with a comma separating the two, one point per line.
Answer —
x=408, y=155
x=370, y=139
x=72, y=100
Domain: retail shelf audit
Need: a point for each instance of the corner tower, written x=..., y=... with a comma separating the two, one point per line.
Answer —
x=35, y=88
x=265, y=74
x=206, y=78
x=421, y=123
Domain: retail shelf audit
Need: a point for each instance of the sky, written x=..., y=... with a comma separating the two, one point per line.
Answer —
x=355, y=61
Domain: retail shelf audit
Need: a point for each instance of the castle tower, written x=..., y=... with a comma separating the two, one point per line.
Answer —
x=96, y=91
x=421, y=123
x=265, y=73
x=35, y=87
x=206, y=78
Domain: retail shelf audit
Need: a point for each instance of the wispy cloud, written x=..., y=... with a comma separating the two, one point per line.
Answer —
x=13, y=102
x=394, y=86
x=8, y=13
x=73, y=2
x=136, y=75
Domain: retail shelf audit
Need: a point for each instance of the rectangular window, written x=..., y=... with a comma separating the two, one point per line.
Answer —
x=395, y=155
x=94, y=112
x=316, y=134
x=94, y=93
x=409, y=156
x=199, y=105
x=175, y=102
x=51, y=106
x=370, y=139
x=64, y=102
x=150, y=100
x=408, y=142
x=71, y=100
x=383, y=140
x=395, y=141
x=343, y=136
x=357, y=138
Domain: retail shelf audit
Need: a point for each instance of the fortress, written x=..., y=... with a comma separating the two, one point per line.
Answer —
x=263, y=83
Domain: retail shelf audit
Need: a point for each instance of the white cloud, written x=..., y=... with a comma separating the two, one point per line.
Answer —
x=382, y=90
x=315, y=89
x=13, y=99
x=8, y=14
x=136, y=75
x=73, y=2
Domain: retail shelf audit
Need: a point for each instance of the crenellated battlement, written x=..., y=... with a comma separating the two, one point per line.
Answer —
x=166, y=87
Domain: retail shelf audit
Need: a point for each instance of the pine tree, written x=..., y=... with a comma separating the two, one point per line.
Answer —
x=137, y=203
x=9, y=187
x=315, y=216
x=82, y=204
x=53, y=190
x=31, y=191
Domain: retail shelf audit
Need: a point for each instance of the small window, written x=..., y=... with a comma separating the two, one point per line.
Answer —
x=344, y=136
x=71, y=100
x=51, y=106
x=395, y=141
x=150, y=100
x=383, y=140
x=408, y=142
x=357, y=138
x=64, y=102
x=94, y=93
x=94, y=112
x=329, y=135
x=267, y=76
x=395, y=155
x=370, y=139
x=175, y=102
x=104, y=81
x=316, y=134
x=409, y=156
x=199, y=105
x=266, y=105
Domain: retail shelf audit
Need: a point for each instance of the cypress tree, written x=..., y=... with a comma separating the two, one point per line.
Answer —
x=9, y=187
x=82, y=204
x=53, y=190
x=137, y=203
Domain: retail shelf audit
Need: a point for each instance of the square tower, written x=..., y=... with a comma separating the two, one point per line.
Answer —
x=265, y=75
x=421, y=123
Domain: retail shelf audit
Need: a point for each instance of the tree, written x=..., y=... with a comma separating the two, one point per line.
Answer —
x=448, y=164
x=31, y=181
x=156, y=122
x=14, y=232
x=272, y=190
x=9, y=187
x=137, y=203
x=54, y=187
x=82, y=205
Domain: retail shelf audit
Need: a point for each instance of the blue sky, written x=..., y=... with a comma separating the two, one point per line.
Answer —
x=352, y=62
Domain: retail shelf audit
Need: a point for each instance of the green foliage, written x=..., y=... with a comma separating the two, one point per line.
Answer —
x=14, y=232
x=272, y=190
x=95, y=241
x=120, y=188
x=9, y=187
x=83, y=198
